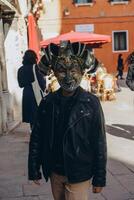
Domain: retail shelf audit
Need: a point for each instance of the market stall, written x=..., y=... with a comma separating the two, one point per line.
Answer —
x=103, y=84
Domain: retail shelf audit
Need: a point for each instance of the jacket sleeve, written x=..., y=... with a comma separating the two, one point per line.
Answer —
x=100, y=148
x=35, y=149
x=130, y=78
x=20, y=77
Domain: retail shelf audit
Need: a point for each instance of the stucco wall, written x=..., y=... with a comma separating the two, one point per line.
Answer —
x=15, y=46
x=50, y=20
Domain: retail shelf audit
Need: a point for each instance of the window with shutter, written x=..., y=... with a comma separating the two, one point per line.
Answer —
x=83, y=2
x=119, y=1
x=120, y=41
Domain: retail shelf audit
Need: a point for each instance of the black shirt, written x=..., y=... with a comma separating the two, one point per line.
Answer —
x=65, y=104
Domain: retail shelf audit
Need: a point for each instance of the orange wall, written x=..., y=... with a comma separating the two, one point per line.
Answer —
x=100, y=8
x=106, y=18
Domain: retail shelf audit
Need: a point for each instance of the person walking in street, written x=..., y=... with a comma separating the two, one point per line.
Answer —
x=120, y=66
x=25, y=78
x=130, y=74
x=68, y=138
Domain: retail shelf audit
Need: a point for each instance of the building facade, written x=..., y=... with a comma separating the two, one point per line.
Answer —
x=13, y=42
x=111, y=17
x=14, y=38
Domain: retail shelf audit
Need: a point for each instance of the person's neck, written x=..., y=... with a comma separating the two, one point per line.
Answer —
x=66, y=93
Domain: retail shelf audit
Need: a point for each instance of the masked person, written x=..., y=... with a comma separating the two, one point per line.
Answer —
x=130, y=73
x=68, y=139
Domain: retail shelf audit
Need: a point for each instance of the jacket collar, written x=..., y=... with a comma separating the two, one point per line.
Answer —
x=80, y=95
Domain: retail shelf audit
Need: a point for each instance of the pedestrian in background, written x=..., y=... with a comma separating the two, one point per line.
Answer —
x=25, y=79
x=120, y=66
x=68, y=139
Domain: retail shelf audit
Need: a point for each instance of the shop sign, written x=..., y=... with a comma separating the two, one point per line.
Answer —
x=84, y=27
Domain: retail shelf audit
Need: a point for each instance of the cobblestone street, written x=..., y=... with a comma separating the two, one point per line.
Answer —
x=119, y=115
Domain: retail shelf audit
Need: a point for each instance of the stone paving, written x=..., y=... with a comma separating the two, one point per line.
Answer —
x=119, y=115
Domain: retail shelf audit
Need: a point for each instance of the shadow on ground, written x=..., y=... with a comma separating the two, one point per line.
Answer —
x=119, y=130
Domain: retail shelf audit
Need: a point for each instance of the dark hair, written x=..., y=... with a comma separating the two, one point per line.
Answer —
x=29, y=57
x=119, y=56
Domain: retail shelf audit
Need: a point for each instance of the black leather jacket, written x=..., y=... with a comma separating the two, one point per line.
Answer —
x=84, y=145
x=130, y=77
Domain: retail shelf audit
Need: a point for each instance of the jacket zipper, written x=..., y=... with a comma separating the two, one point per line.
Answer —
x=85, y=115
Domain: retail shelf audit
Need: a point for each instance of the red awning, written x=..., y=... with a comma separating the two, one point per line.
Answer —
x=83, y=37
x=33, y=40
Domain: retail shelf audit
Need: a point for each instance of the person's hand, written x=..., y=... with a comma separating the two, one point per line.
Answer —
x=37, y=182
x=97, y=189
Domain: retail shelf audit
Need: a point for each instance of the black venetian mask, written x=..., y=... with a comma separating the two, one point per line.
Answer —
x=68, y=74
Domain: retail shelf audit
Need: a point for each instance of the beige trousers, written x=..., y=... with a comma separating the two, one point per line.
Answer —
x=62, y=190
